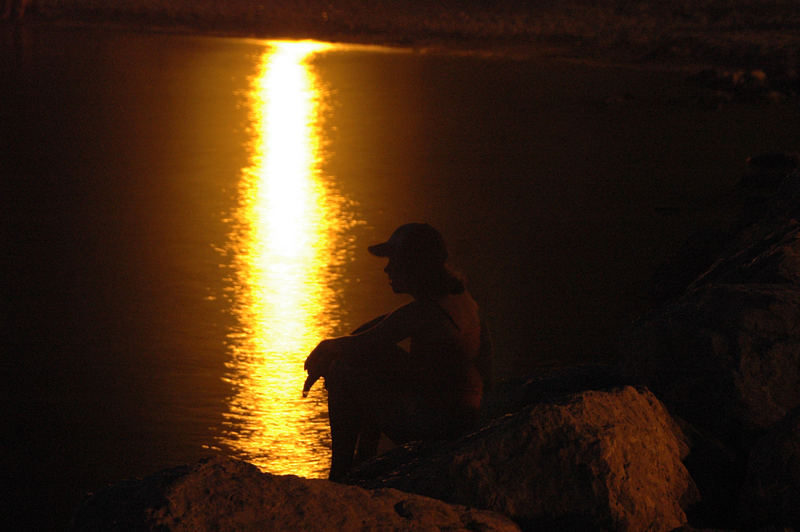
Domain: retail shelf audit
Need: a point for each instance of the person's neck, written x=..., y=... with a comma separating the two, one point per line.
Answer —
x=424, y=296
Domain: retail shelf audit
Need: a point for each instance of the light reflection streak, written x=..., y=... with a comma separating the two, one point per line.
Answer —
x=285, y=245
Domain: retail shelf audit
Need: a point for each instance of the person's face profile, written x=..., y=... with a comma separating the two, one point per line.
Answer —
x=401, y=275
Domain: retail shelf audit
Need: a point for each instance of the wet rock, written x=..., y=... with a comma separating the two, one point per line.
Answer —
x=226, y=494
x=771, y=492
x=594, y=460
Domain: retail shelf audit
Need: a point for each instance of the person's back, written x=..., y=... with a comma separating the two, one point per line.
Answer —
x=448, y=351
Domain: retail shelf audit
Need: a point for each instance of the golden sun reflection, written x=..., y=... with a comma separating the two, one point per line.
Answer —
x=286, y=245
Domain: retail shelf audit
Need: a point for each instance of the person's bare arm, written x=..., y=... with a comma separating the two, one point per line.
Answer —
x=370, y=324
x=393, y=328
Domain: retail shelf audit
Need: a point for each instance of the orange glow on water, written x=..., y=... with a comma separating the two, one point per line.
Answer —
x=286, y=242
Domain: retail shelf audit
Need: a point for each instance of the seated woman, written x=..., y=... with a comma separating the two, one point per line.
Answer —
x=432, y=391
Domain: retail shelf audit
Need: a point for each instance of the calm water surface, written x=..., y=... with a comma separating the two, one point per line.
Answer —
x=184, y=218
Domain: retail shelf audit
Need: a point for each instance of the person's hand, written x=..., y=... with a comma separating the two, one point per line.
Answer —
x=318, y=362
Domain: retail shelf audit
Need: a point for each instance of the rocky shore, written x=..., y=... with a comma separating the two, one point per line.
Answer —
x=697, y=427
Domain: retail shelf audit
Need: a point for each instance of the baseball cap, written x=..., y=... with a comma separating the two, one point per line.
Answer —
x=415, y=241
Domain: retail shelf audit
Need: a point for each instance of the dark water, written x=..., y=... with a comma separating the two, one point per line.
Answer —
x=559, y=186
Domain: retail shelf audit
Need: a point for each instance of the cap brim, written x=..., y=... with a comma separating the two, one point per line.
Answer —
x=381, y=250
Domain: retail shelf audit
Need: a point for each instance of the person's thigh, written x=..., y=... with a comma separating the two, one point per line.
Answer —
x=380, y=389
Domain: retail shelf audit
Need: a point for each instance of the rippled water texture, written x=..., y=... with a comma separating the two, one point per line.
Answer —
x=288, y=243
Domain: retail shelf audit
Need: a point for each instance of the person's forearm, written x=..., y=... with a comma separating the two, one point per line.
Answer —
x=366, y=341
x=370, y=324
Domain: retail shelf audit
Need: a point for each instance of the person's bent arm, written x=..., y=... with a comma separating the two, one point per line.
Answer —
x=370, y=324
x=390, y=330
x=393, y=328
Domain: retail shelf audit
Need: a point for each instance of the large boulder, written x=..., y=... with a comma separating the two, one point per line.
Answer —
x=594, y=460
x=726, y=357
x=771, y=491
x=747, y=245
x=773, y=258
x=223, y=494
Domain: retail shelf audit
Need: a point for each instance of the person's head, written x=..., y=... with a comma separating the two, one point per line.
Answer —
x=418, y=262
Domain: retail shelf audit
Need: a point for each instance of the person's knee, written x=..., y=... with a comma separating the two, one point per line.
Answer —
x=341, y=374
x=335, y=371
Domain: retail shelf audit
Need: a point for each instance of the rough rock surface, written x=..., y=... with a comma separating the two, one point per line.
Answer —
x=771, y=492
x=595, y=460
x=224, y=494
x=726, y=357
x=756, y=242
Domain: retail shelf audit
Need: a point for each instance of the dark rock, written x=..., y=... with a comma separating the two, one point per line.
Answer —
x=727, y=360
x=595, y=460
x=779, y=160
x=696, y=256
x=766, y=171
x=548, y=384
x=227, y=494
x=718, y=469
x=783, y=205
x=772, y=260
x=726, y=357
x=767, y=207
x=771, y=492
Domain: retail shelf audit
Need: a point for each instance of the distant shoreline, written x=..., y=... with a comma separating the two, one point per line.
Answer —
x=736, y=34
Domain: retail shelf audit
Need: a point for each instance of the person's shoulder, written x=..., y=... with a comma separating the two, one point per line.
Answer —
x=463, y=300
x=420, y=305
x=420, y=310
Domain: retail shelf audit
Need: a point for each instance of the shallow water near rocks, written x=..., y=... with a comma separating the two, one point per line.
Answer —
x=185, y=217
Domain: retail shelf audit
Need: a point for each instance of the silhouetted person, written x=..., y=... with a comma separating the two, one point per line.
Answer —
x=431, y=391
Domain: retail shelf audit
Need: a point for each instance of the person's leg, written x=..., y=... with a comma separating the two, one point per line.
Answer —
x=364, y=397
x=345, y=418
x=368, y=441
